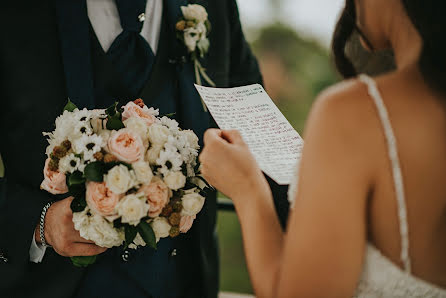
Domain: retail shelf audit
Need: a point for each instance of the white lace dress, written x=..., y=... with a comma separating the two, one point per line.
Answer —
x=380, y=276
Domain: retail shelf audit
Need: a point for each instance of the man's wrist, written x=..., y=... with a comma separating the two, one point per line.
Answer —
x=37, y=235
x=41, y=229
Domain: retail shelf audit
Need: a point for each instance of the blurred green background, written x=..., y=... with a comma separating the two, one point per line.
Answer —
x=295, y=70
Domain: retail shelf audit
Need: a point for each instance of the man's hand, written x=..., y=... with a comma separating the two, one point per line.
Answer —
x=61, y=235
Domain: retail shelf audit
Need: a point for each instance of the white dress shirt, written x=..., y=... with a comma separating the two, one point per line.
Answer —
x=104, y=18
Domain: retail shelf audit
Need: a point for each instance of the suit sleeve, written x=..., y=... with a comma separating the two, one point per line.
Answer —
x=244, y=70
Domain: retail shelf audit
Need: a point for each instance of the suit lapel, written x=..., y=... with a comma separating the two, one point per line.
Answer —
x=74, y=39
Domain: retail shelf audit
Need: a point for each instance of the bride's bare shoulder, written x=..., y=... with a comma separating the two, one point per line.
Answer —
x=346, y=104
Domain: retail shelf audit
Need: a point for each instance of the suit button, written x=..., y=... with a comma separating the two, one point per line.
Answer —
x=3, y=258
x=173, y=253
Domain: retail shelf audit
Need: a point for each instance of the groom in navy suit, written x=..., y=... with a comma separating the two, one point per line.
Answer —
x=95, y=52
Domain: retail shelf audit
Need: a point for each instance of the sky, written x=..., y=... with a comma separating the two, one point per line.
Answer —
x=312, y=18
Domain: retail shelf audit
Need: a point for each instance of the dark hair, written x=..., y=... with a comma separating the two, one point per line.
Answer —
x=428, y=18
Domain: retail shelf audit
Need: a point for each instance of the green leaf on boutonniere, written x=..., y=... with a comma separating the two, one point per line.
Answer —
x=147, y=234
x=70, y=106
x=78, y=204
x=208, y=25
x=94, y=171
x=83, y=261
x=130, y=234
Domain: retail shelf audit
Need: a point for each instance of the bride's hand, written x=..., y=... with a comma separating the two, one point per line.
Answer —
x=228, y=165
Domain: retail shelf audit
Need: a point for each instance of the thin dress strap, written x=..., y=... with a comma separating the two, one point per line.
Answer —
x=396, y=168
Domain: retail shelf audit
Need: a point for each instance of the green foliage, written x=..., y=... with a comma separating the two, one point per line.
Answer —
x=83, y=261
x=147, y=234
x=130, y=234
x=78, y=204
x=70, y=106
x=114, y=118
x=94, y=171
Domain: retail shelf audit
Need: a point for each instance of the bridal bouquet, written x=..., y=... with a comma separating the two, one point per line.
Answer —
x=133, y=175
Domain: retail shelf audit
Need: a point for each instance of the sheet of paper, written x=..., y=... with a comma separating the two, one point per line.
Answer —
x=270, y=137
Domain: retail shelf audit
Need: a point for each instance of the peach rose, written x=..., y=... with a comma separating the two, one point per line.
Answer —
x=53, y=182
x=126, y=145
x=186, y=223
x=100, y=199
x=157, y=194
x=133, y=110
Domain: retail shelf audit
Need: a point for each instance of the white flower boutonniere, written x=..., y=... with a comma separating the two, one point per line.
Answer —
x=193, y=30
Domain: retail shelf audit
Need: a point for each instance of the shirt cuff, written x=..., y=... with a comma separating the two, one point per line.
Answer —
x=36, y=251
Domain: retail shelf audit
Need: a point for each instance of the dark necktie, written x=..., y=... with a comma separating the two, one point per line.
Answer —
x=130, y=53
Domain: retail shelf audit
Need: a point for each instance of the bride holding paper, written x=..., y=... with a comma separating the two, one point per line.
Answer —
x=369, y=216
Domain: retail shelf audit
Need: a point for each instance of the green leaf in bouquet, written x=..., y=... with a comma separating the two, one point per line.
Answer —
x=115, y=122
x=76, y=178
x=83, y=261
x=130, y=234
x=111, y=165
x=147, y=233
x=70, y=106
x=78, y=204
x=94, y=171
x=112, y=110
x=170, y=115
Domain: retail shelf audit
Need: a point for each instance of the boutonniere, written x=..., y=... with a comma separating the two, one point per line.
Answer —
x=193, y=29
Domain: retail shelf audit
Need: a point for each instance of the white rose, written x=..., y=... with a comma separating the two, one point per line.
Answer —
x=143, y=172
x=191, y=38
x=137, y=125
x=191, y=138
x=203, y=45
x=119, y=179
x=105, y=135
x=198, y=182
x=158, y=134
x=194, y=12
x=138, y=241
x=175, y=180
x=132, y=208
x=95, y=228
x=153, y=154
x=161, y=228
x=192, y=204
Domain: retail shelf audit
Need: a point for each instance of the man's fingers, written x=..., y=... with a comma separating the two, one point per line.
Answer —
x=232, y=136
x=78, y=239
x=84, y=250
x=211, y=135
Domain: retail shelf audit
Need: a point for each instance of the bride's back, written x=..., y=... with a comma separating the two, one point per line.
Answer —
x=418, y=117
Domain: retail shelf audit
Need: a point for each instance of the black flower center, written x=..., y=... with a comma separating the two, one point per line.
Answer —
x=83, y=118
x=73, y=163
x=90, y=146
x=83, y=129
x=168, y=165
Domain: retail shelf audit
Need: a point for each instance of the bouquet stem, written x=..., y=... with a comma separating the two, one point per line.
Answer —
x=83, y=261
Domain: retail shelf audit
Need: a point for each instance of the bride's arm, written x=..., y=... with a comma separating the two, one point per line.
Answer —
x=322, y=252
